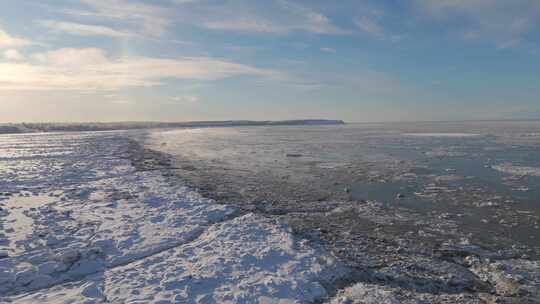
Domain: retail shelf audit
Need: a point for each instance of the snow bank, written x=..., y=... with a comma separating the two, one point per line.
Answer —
x=245, y=260
x=100, y=231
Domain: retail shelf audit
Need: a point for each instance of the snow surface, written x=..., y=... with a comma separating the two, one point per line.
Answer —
x=78, y=224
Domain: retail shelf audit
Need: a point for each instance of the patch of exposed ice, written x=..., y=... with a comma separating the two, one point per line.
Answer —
x=442, y=134
x=440, y=152
x=511, y=277
x=365, y=293
x=517, y=170
x=448, y=178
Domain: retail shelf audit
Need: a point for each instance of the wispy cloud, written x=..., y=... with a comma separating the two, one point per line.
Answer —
x=275, y=16
x=9, y=41
x=246, y=24
x=13, y=55
x=184, y=99
x=373, y=27
x=91, y=69
x=79, y=29
x=328, y=50
x=153, y=18
x=506, y=23
x=312, y=20
x=370, y=27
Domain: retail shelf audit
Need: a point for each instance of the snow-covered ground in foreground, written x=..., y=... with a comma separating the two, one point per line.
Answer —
x=78, y=224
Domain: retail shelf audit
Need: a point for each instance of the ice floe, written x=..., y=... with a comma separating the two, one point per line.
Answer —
x=517, y=170
x=442, y=134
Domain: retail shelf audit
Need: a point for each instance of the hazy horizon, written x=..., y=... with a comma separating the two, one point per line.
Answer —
x=202, y=60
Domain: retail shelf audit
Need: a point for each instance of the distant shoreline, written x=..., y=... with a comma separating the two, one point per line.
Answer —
x=20, y=128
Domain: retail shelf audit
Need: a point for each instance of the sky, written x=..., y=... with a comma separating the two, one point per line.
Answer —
x=185, y=60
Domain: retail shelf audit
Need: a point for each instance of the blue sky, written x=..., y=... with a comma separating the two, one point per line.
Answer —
x=177, y=60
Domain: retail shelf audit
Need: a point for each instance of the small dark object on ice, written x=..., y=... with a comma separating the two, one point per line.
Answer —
x=293, y=155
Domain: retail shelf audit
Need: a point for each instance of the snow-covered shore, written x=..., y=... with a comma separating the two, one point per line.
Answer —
x=96, y=218
x=80, y=224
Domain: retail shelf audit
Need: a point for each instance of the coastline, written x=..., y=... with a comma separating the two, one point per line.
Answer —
x=138, y=188
x=24, y=128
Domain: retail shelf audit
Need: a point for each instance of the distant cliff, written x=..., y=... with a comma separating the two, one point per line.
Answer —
x=78, y=127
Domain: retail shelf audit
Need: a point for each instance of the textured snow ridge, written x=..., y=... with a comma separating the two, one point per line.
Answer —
x=78, y=224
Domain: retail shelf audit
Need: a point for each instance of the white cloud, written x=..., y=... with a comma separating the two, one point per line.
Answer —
x=185, y=99
x=121, y=101
x=312, y=21
x=154, y=19
x=13, y=55
x=83, y=29
x=91, y=69
x=373, y=28
x=8, y=41
x=328, y=50
x=370, y=27
x=275, y=16
x=248, y=24
x=70, y=57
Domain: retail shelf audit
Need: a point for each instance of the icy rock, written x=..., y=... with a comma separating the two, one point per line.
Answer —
x=69, y=257
x=94, y=252
x=293, y=155
x=512, y=278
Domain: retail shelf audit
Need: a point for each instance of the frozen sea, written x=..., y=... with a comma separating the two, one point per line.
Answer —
x=484, y=176
x=360, y=213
